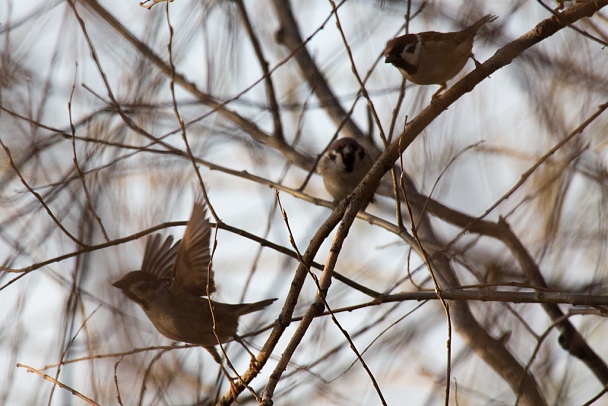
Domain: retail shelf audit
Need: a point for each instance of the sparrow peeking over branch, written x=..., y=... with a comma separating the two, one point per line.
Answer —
x=433, y=58
x=343, y=166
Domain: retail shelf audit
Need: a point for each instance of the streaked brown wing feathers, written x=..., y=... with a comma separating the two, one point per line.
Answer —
x=191, y=272
x=159, y=259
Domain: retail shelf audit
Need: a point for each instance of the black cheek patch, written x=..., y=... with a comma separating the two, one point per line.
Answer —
x=361, y=154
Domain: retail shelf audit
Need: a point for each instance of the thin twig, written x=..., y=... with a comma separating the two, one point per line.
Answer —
x=61, y=385
x=314, y=309
x=438, y=288
x=78, y=169
x=39, y=198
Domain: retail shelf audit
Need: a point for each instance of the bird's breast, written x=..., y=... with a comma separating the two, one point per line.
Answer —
x=190, y=320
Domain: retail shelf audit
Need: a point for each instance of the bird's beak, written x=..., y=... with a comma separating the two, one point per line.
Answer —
x=390, y=58
x=120, y=284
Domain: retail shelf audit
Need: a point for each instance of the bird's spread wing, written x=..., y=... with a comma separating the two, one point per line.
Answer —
x=159, y=259
x=191, y=273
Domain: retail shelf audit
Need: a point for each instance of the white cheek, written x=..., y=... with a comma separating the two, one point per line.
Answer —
x=335, y=168
x=411, y=57
x=323, y=166
x=331, y=167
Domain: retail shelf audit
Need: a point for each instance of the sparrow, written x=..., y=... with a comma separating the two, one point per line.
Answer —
x=433, y=58
x=172, y=284
x=343, y=165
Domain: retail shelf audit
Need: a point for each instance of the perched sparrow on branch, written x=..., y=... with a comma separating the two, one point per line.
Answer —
x=171, y=282
x=343, y=166
x=433, y=58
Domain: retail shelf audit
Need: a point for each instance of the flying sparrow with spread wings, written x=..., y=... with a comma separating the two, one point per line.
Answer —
x=433, y=58
x=172, y=279
x=343, y=166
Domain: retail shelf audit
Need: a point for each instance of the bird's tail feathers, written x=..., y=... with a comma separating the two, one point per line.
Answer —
x=488, y=18
x=246, y=308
